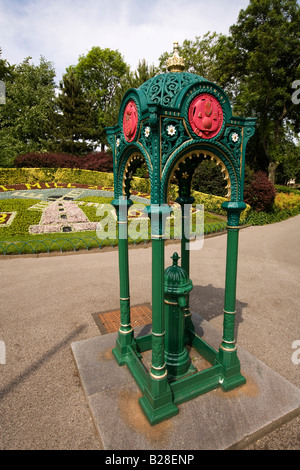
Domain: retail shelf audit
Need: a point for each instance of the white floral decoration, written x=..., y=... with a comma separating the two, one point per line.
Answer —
x=235, y=137
x=147, y=131
x=171, y=130
x=118, y=142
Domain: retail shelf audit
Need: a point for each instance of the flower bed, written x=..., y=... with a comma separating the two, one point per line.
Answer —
x=63, y=216
x=6, y=218
x=13, y=176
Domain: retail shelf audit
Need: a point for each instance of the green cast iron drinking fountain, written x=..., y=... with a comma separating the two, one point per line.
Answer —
x=172, y=122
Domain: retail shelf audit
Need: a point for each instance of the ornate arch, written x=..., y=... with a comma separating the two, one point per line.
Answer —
x=187, y=160
x=129, y=161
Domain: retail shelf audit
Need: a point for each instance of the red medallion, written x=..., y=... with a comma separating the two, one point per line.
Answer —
x=206, y=116
x=130, y=121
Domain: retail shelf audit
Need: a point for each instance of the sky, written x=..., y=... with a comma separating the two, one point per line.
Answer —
x=62, y=30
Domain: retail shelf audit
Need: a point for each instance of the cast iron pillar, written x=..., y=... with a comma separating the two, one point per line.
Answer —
x=125, y=333
x=227, y=355
x=157, y=401
x=186, y=204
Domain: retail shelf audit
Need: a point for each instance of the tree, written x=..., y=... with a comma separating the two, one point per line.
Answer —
x=143, y=73
x=257, y=64
x=289, y=167
x=27, y=118
x=208, y=179
x=100, y=73
x=5, y=69
x=75, y=130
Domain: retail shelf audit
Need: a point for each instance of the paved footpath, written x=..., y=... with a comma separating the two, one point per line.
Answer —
x=48, y=302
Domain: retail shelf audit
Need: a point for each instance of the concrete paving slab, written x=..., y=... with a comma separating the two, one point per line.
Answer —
x=215, y=421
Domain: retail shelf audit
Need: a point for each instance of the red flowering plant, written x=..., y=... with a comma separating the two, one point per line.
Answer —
x=260, y=193
x=96, y=161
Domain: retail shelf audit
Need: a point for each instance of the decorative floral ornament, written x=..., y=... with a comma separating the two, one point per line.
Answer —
x=147, y=131
x=171, y=130
x=235, y=137
x=118, y=142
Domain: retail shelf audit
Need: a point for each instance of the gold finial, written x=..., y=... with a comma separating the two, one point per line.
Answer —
x=175, y=63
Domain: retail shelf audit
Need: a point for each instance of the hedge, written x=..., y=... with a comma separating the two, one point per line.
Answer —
x=287, y=189
x=264, y=218
x=96, y=161
x=10, y=176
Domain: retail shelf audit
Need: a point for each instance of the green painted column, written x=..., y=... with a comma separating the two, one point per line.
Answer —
x=186, y=204
x=158, y=214
x=125, y=333
x=157, y=402
x=227, y=355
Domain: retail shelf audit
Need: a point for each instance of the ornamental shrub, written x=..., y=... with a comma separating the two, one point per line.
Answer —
x=45, y=160
x=10, y=176
x=285, y=201
x=260, y=193
x=95, y=161
x=276, y=215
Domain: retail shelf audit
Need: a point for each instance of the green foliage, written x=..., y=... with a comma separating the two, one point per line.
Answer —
x=264, y=218
x=142, y=172
x=5, y=69
x=75, y=125
x=27, y=118
x=289, y=166
x=141, y=185
x=286, y=189
x=143, y=73
x=208, y=178
x=100, y=73
x=257, y=65
x=211, y=203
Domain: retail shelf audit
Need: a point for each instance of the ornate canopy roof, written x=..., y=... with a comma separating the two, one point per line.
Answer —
x=165, y=88
x=172, y=122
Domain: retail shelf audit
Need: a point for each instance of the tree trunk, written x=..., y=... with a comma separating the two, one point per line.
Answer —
x=272, y=170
